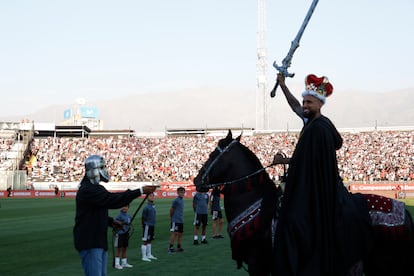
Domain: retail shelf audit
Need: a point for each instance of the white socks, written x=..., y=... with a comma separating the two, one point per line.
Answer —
x=149, y=250
x=146, y=253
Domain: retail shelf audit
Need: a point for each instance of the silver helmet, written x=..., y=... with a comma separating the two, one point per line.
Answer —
x=96, y=169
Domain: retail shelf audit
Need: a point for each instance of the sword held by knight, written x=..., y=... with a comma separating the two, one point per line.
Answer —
x=286, y=62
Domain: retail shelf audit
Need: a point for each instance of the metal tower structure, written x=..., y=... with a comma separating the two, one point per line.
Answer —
x=262, y=115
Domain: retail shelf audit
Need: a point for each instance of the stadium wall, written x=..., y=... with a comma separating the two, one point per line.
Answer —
x=395, y=190
x=69, y=189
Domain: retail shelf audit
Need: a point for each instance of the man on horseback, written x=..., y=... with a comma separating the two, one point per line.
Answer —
x=321, y=230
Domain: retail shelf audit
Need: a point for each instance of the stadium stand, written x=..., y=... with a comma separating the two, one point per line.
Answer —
x=31, y=152
x=366, y=156
x=13, y=145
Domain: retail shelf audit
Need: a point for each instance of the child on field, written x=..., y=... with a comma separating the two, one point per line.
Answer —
x=216, y=214
x=200, y=206
x=122, y=239
x=148, y=228
x=177, y=221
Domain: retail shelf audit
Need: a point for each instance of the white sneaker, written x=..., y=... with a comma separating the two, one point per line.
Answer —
x=127, y=265
x=118, y=266
x=145, y=259
x=152, y=257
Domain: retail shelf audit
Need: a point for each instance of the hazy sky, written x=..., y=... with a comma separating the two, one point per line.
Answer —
x=54, y=51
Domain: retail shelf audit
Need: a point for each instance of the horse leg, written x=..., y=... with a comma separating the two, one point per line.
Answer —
x=259, y=261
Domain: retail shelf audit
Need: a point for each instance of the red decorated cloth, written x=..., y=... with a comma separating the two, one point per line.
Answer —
x=387, y=217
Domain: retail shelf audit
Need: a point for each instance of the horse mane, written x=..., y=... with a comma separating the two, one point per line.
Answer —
x=251, y=155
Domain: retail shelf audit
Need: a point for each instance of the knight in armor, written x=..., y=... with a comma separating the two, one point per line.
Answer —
x=322, y=228
x=92, y=220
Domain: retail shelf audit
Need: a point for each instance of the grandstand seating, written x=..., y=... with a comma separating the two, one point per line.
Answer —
x=7, y=149
x=366, y=156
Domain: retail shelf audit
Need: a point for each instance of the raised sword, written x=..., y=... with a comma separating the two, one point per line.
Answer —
x=294, y=45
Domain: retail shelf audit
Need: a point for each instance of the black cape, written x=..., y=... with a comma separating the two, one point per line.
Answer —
x=322, y=229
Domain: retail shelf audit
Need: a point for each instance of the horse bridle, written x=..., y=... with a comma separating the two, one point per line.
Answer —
x=211, y=165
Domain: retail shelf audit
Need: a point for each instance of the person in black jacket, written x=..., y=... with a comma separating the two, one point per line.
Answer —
x=92, y=220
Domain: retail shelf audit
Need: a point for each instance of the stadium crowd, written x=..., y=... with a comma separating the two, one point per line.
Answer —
x=6, y=147
x=367, y=157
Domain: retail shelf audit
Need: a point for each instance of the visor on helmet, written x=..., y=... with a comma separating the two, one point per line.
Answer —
x=96, y=169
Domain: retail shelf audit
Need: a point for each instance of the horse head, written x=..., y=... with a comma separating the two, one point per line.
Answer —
x=216, y=169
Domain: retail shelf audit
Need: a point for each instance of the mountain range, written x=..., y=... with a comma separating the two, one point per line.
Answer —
x=217, y=107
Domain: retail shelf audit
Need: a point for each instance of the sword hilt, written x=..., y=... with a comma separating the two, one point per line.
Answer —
x=273, y=92
x=283, y=70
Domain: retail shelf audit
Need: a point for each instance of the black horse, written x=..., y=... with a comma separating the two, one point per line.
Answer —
x=251, y=202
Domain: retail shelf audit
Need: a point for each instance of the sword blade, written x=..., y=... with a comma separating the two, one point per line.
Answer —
x=286, y=62
x=305, y=21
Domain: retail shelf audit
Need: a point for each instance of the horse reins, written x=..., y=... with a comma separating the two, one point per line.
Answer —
x=211, y=165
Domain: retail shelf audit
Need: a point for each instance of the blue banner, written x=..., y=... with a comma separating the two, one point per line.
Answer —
x=67, y=114
x=89, y=112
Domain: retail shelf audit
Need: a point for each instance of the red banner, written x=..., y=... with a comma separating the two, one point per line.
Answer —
x=29, y=193
x=167, y=190
x=393, y=190
x=160, y=193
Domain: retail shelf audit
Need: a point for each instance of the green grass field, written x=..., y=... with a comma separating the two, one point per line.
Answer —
x=36, y=239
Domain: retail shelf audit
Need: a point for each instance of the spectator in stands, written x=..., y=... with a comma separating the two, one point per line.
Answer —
x=177, y=221
x=148, y=229
x=308, y=239
x=216, y=214
x=92, y=220
x=200, y=207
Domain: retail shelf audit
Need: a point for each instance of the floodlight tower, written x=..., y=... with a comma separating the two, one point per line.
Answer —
x=262, y=97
